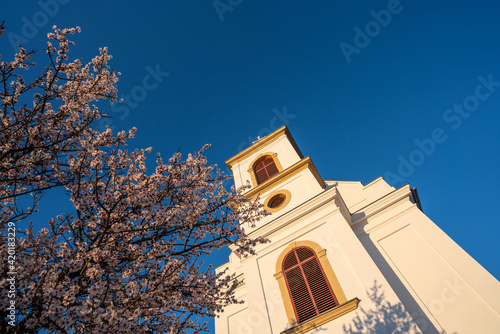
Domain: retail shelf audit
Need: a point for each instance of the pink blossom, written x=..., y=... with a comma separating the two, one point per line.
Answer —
x=127, y=258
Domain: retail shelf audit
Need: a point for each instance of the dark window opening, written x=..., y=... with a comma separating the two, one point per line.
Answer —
x=276, y=201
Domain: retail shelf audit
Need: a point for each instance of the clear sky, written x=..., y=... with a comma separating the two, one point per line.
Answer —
x=409, y=90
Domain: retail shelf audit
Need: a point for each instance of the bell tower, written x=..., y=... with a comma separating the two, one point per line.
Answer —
x=277, y=172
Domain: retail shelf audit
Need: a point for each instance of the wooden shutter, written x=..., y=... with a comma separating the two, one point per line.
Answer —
x=309, y=289
x=320, y=289
x=271, y=167
x=261, y=174
x=276, y=201
x=265, y=169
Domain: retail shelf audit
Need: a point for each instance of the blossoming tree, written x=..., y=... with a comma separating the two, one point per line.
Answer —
x=126, y=259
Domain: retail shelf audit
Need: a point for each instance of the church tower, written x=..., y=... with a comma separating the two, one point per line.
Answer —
x=344, y=257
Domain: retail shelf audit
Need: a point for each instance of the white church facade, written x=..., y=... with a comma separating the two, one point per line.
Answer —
x=344, y=257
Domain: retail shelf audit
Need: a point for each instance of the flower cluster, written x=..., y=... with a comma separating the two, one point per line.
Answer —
x=127, y=258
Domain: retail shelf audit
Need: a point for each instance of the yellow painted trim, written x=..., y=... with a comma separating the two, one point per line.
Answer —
x=323, y=318
x=284, y=176
x=288, y=196
x=327, y=268
x=252, y=165
x=287, y=301
x=269, y=139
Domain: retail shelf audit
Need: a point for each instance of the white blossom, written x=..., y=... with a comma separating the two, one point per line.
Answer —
x=127, y=258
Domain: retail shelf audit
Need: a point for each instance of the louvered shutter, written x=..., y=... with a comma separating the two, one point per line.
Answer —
x=320, y=289
x=271, y=167
x=304, y=253
x=289, y=261
x=301, y=298
x=265, y=169
x=309, y=289
x=276, y=201
x=261, y=174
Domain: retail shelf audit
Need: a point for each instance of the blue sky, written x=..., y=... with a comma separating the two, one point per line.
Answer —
x=363, y=99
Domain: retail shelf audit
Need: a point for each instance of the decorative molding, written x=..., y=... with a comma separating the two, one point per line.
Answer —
x=267, y=140
x=327, y=268
x=288, y=197
x=324, y=317
x=291, y=171
x=252, y=166
x=381, y=204
x=371, y=183
x=325, y=199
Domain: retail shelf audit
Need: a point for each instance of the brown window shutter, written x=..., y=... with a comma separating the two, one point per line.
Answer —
x=276, y=201
x=272, y=169
x=290, y=260
x=265, y=169
x=261, y=176
x=309, y=289
x=301, y=298
x=320, y=289
x=304, y=253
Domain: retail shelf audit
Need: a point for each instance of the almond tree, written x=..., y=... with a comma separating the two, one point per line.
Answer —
x=126, y=259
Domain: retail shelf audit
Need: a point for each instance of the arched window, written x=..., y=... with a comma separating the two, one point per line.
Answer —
x=264, y=169
x=309, y=289
x=312, y=295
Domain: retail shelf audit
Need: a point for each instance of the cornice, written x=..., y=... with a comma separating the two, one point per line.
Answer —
x=325, y=317
x=283, y=176
x=380, y=178
x=288, y=218
x=381, y=204
x=267, y=140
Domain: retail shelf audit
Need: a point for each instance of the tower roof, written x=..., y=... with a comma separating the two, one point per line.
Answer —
x=257, y=145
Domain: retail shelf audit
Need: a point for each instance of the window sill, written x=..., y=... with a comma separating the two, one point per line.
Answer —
x=323, y=318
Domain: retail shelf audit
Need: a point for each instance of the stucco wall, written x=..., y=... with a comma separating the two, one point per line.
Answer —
x=442, y=287
x=355, y=270
x=285, y=153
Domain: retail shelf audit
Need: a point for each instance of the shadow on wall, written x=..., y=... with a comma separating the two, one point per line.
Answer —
x=386, y=318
